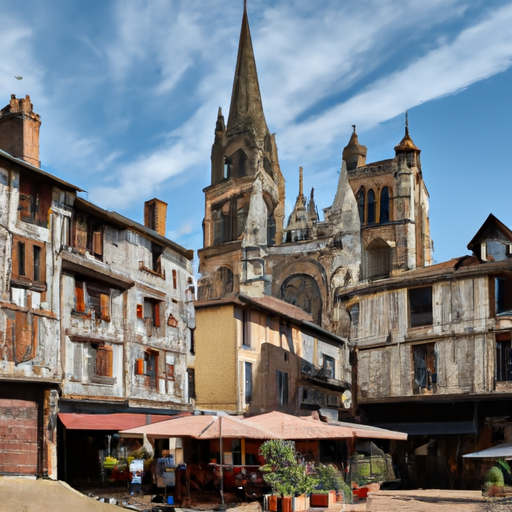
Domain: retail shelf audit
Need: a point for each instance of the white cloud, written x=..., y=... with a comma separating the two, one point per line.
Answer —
x=476, y=53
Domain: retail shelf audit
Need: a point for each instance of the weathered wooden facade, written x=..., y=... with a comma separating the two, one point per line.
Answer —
x=434, y=358
x=96, y=310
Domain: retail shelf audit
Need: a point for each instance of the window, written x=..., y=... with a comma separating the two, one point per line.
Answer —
x=329, y=366
x=371, y=207
x=378, y=258
x=503, y=358
x=152, y=312
x=102, y=360
x=384, y=205
x=246, y=329
x=228, y=219
x=151, y=367
x=35, y=201
x=174, y=279
x=503, y=294
x=92, y=297
x=28, y=261
x=420, y=306
x=191, y=383
x=88, y=235
x=424, y=358
x=156, y=258
x=248, y=382
x=360, y=205
x=282, y=387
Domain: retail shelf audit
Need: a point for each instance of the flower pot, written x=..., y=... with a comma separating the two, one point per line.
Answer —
x=272, y=503
x=323, y=499
x=286, y=504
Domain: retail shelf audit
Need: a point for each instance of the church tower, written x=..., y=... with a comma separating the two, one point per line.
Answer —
x=244, y=204
x=393, y=208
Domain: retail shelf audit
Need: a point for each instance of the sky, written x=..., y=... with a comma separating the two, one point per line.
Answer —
x=128, y=93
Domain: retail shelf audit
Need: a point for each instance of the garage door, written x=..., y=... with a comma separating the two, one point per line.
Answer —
x=18, y=437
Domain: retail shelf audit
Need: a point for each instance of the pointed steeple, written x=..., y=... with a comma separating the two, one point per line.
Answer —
x=312, y=211
x=246, y=108
x=406, y=144
x=354, y=153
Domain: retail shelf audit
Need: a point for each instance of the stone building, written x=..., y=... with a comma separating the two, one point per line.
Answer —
x=431, y=343
x=377, y=225
x=96, y=312
x=261, y=354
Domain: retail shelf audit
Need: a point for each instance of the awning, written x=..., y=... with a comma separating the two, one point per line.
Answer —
x=116, y=421
x=503, y=450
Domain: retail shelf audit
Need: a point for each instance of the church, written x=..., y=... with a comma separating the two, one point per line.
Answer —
x=377, y=225
x=423, y=348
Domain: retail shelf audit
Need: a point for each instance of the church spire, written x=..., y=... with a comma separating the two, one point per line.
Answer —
x=246, y=108
x=354, y=153
x=406, y=144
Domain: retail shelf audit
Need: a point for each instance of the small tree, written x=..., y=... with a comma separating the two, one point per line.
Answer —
x=284, y=470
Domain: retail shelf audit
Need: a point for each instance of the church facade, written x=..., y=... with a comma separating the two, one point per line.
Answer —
x=377, y=225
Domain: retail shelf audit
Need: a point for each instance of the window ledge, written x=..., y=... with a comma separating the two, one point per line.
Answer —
x=99, y=379
x=25, y=282
x=143, y=268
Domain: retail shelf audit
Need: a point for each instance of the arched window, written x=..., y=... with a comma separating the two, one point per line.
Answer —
x=241, y=216
x=378, y=259
x=371, y=206
x=384, y=205
x=360, y=205
x=302, y=291
x=218, y=225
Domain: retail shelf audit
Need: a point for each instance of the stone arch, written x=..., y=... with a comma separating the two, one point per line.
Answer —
x=302, y=291
x=378, y=259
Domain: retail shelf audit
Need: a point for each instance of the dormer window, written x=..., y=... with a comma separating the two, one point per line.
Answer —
x=495, y=250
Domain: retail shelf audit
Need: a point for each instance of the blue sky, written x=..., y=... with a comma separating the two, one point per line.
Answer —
x=128, y=93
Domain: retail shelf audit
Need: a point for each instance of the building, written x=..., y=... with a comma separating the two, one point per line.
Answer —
x=431, y=342
x=96, y=312
x=261, y=354
x=433, y=358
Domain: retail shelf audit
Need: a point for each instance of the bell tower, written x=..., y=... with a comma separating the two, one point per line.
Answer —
x=244, y=203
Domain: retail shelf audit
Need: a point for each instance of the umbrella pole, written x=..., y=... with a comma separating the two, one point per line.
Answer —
x=221, y=464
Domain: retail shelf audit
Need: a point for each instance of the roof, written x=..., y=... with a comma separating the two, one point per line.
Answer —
x=503, y=450
x=116, y=421
x=40, y=172
x=490, y=224
x=246, y=107
x=278, y=306
x=272, y=425
x=121, y=220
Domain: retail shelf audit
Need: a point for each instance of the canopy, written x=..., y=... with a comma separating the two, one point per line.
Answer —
x=293, y=427
x=272, y=425
x=503, y=450
x=115, y=421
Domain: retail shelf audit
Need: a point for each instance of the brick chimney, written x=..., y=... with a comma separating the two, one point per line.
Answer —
x=155, y=212
x=19, y=130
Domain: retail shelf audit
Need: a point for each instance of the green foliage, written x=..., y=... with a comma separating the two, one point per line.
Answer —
x=326, y=477
x=494, y=477
x=284, y=470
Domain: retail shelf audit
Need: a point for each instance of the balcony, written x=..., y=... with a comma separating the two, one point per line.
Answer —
x=322, y=376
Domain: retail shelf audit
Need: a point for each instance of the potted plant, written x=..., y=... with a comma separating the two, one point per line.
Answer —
x=329, y=483
x=285, y=472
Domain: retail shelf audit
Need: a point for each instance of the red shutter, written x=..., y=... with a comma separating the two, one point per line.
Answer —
x=79, y=296
x=105, y=307
x=156, y=313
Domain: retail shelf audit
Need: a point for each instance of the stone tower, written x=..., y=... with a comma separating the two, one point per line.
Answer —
x=244, y=204
x=393, y=208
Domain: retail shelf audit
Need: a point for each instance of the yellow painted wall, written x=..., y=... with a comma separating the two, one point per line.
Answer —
x=216, y=358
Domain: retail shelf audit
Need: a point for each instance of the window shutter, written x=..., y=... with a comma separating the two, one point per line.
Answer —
x=174, y=279
x=104, y=358
x=105, y=307
x=140, y=311
x=97, y=243
x=79, y=296
x=156, y=313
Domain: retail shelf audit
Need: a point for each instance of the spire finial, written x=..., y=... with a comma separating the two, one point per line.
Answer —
x=406, y=123
x=301, y=188
x=245, y=5
x=354, y=129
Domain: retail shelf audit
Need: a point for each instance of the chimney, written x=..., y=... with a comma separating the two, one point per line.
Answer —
x=19, y=130
x=155, y=212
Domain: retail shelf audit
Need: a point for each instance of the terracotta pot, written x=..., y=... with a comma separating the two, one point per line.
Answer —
x=272, y=503
x=286, y=504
